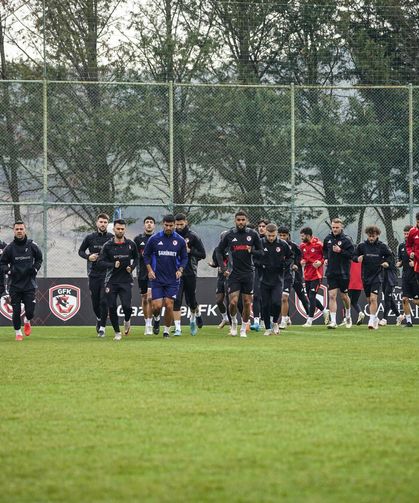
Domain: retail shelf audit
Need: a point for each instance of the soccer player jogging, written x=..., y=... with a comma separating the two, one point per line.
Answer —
x=21, y=261
x=412, y=247
x=143, y=283
x=257, y=295
x=410, y=289
x=89, y=250
x=390, y=276
x=221, y=288
x=166, y=258
x=187, y=284
x=338, y=251
x=312, y=260
x=242, y=244
x=119, y=257
x=293, y=277
x=273, y=263
x=374, y=256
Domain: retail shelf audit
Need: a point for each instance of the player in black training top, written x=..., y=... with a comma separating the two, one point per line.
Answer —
x=119, y=257
x=221, y=288
x=3, y=245
x=338, y=251
x=257, y=295
x=293, y=277
x=143, y=283
x=242, y=244
x=410, y=288
x=374, y=256
x=275, y=260
x=21, y=261
x=89, y=250
x=187, y=285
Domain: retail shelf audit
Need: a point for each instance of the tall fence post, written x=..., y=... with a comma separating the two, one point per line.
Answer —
x=411, y=154
x=45, y=147
x=293, y=195
x=171, y=147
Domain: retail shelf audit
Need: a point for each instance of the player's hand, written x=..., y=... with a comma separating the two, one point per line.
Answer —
x=303, y=262
x=188, y=250
x=129, y=269
x=336, y=248
x=411, y=263
x=294, y=267
x=326, y=262
x=249, y=248
x=151, y=275
x=412, y=255
x=178, y=274
x=117, y=264
x=399, y=263
x=93, y=257
x=317, y=264
x=226, y=273
x=360, y=259
x=386, y=265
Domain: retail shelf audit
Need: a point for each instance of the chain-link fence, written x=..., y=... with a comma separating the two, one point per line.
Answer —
x=295, y=155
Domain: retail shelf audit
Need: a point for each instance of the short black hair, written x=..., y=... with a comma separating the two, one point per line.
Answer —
x=149, y=218
x=407, y=228
x=168, y=218
x=417, y=215
x=103, y=216
x=19, y=222
x=180, y=216
x=283, y=229
x=264, y=221
x=307, y=230
x=241, y=213
x=119, y=221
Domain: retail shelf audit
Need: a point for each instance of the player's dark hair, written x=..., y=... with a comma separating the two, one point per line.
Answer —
x=417, y=215
x=149, y=218
x=180, y=216
x=271, y=228
x=263, y=221
x=241, y=213
x=307, y=230
x=168, y=218
x=19, y=222
x=372, y=229
x=119, y=221
x=407, y=228
x=282, y=229
x=104, y=216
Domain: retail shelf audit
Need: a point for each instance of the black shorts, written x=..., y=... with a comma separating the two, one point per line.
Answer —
x=338, y=281
x=143, y=286
x=410, y=287
x=221, y=284
x=243, y=283
x=288, y=281
x=372, y=288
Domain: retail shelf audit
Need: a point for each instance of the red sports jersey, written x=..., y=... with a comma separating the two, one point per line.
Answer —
x=355, y=280
x=310, y=252
x=412, y=245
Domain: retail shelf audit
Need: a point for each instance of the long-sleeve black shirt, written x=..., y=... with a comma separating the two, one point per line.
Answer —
x=374, y=255
x=408, y=271
x=274, y=262
x=338, y=263
x=141, y=241
x=235, y=243
x=196, y=250
x=94, y=243
x=3, y=245
x=22, y=259
x=126, y=253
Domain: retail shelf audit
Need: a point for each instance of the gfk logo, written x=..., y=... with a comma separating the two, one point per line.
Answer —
x=64, y=301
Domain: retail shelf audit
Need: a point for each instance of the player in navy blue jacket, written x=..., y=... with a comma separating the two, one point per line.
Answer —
x=165, y=257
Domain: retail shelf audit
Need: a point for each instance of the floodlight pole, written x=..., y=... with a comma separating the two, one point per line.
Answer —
x=411, y=202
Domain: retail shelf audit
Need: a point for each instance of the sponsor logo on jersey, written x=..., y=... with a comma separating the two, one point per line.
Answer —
x=64, y=301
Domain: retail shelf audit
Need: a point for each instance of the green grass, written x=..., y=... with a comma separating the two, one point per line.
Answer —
x=311, y=415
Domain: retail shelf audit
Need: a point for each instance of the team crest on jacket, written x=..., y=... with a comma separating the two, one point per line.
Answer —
x=174, y=242
x=64, y=301
x=249, y=238
x=321, y=295
x=6, y=308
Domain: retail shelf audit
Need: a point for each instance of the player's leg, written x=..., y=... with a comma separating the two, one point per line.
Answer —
x=145, y=293
x=333, y=307
x=29, y=301
x=265, y=292
x=372, y=295
x=111, y=292
x=301, y=294
x=233, y=298
x=157, y=295
x=15, y=301
x=168, y=302
x=247, y=299
x=125, y=295
x=177, y=305
x=257, y=303
x=346, y=301
x=220, y=301
x=276, y=296
x=191, y=302
x=354, y=296
x=95, y=287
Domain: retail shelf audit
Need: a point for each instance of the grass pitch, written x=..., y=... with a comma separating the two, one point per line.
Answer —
x=311, y=415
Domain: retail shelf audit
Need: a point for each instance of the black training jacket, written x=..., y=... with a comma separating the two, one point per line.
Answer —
x=374, y=255
x=338, y=263
x=408, y=272
x=94, y=243
x=140, y=241
x=126, y=253
x=197, y=250
x=274, y=262
x=21, y=259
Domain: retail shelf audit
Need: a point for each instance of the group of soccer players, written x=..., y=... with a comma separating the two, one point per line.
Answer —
x=256, y=270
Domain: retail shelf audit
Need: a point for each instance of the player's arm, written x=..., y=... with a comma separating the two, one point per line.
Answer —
x=83, y=247
x=5, y=261
x=220, y=250
x=105, y=260
x=347, y=248
x=147, y=256
x=38, y=259
x=325, y=248
x=197, y=249
x=183, y=256
x=257, y=248
x=134, y=259
x=358, y=255
x=386, y=255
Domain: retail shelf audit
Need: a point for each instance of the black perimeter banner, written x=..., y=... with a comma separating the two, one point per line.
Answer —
x=66, y=301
